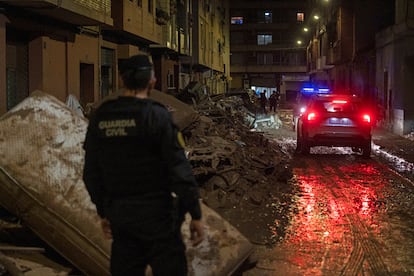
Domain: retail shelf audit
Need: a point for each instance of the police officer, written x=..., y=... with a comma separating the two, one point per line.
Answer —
x=139, y=179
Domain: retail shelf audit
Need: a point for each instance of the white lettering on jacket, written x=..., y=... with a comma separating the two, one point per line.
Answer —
x=116, y=127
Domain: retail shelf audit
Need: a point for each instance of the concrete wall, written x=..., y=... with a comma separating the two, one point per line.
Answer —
x=86, y=50
x=54, y=65
x=395, y=59
x=47, y=67
x=138, y=21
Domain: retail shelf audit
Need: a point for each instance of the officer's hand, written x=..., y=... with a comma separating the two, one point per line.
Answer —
x=197, y=232
x=106, y=228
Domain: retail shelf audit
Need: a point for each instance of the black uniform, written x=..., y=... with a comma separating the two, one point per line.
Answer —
x=133, y=163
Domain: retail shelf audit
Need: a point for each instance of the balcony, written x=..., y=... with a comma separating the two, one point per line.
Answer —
x=242, y=47
x=76, y=12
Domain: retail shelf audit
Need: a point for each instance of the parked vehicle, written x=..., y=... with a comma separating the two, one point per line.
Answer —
x=337, y=121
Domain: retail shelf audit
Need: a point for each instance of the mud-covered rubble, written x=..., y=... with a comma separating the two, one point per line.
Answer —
x=243, y=175
x=41, y=162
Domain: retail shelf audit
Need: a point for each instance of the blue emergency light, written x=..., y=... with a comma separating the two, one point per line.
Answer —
x=324, y=90
x=308, y=90
x=312, y=90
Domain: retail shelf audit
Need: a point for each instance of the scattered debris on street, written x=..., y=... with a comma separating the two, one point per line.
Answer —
x=244, y=179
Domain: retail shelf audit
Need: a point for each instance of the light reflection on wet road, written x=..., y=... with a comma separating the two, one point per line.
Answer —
x=349, y=218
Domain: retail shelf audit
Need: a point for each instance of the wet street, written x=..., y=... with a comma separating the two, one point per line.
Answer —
x=350, y=216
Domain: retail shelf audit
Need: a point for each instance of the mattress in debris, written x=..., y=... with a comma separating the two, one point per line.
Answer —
x=41, y=162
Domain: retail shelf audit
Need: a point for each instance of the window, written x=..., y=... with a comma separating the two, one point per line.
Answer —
x=264, y=39
x=107, y=71
x=264, y=16
x=170, y=80
x=139, y=3
x=150, y=6
x=300, y=17
x=268, y=17
x=264, y=58
x=17, y=73
x=237, y=20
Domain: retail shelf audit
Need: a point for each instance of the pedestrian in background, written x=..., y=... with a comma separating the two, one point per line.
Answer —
x=137, y=175
x=263, y=101
x=273, y=100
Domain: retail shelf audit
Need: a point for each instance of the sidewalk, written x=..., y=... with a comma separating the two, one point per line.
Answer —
x=394, y=144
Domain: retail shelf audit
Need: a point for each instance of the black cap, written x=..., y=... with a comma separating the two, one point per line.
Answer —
x=137, y=62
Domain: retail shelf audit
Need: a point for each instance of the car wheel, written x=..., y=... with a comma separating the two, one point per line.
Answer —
x=305, y=148
x=366, y=149
x=301, y=145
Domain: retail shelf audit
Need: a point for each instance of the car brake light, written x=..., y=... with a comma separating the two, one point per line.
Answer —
x=339, y=101
x=366, y=118
x=311, y=116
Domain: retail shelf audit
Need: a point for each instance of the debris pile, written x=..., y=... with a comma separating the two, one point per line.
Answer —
x=41, y=161
x=244, y=178
x=243, y=175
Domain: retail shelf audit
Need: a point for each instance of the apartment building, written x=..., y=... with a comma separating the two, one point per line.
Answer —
x=73, y=47
x=341, y=51
x=266, y=52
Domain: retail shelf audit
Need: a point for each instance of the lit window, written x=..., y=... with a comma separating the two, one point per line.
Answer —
x=268, y=17
x=264, y=39
x=238, y=20
x=300, y=16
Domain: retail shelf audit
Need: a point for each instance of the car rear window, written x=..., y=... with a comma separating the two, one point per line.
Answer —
x=333, y=106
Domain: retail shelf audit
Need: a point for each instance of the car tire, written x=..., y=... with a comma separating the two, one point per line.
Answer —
x=305, y=148
x=366, y=149
x=302, y=146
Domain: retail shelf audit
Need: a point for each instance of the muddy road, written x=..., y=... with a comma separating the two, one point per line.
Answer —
x=349, y=216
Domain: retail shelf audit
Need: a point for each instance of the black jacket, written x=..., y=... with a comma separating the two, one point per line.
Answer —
x=133, y=161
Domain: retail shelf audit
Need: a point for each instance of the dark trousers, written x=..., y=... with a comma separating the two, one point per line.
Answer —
x=130, y=255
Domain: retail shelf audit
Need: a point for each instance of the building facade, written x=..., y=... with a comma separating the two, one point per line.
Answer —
x=395, y=69
x=366, y=47
x=73, y=47
x=265, y=51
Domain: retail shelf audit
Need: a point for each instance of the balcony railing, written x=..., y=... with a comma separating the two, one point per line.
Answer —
x=101, y=6
x=78, y=12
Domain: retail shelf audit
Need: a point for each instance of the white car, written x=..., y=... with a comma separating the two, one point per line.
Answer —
x=335, y=120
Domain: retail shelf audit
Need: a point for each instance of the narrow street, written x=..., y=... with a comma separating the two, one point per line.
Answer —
x=328, y=213
x=350, y=216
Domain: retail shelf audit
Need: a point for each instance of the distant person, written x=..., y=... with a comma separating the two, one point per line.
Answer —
x=263, y=101
x=139, y=178
x=273, y=101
